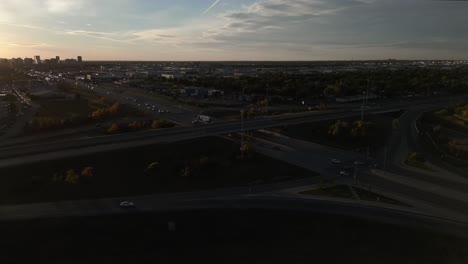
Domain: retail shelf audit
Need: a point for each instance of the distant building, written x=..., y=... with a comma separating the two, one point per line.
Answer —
x=57, y=58
x=168, y=76
x=28, y=61
x=17, y=61
x=80, y=59
x=37, y=59
x=70, y=61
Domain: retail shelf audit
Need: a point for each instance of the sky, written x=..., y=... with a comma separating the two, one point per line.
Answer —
x=234, y=29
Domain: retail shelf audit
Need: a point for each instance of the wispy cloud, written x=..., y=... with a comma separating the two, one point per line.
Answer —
x=28, y=45
x=211, y=7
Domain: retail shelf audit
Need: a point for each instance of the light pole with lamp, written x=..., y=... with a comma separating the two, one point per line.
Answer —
x=242, y=132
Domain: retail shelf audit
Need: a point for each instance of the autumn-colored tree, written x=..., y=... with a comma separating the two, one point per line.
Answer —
x=465, y=114
x=161, y=124
x=155, y=124
x=102, y=100
x=114, y=108
x=99, y=114
x=114, y=128
x=87, y=172
x=360, y=129
x=416, y=157
x=338, y=128
x=247, y=150
x=133, y=125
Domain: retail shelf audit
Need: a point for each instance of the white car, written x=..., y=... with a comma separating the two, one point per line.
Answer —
x=345, y=173
x=336, y=161
x=127, y=204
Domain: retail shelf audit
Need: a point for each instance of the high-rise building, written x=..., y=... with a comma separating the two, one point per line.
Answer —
x=57, y=58
x=80, y=59
x=37, y=59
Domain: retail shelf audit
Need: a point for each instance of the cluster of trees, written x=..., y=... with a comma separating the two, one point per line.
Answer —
x=457, y=148
x=380, y=81
x=416, y=157
x=247, y=150
x=72, y=176
x=139, y=125
x=106, y=112
x=257, y=109
x=49, y=122
x=461, y=112
x=357, y=130
x=455, y=117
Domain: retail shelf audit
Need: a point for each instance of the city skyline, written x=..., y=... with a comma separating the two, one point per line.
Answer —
x=233, y=30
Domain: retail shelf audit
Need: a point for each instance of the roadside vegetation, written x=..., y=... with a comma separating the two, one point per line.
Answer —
x=116, y=128
x=417, y=160
x=446, y=130
x=79, y=108
x=177, y=167
x=349, y=134
x=381, y=81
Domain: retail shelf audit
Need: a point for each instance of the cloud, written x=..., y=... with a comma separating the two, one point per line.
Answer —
x=277, y=14
x=29, y=45
x=35, y=8
x=63, y=6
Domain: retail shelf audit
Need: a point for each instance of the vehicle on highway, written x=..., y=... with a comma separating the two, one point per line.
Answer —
x=202, y=119
x=345, y=173
x=127, y=204
x=359, y=163
x=336, y=161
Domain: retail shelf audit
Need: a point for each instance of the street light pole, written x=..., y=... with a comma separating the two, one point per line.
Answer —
x=385, y=159
x=242, y=128
x=242, y=133
x=267, y=99
x=355, y=175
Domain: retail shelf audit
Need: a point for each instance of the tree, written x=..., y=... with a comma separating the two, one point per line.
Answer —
x=114, y=108
x=87, y=172
x=338, y=128
x=137, y=125
x=72, y=177
x=360, y=129
x=416, y=157
x=102, y=100
x=161, y=124
x=247, y=150
x=114, y=128
x=396, y=124
x=99, y=114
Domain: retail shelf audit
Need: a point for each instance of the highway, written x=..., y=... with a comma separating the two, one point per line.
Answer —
x=68, y=148
x=264, y=197
x=29, y=153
